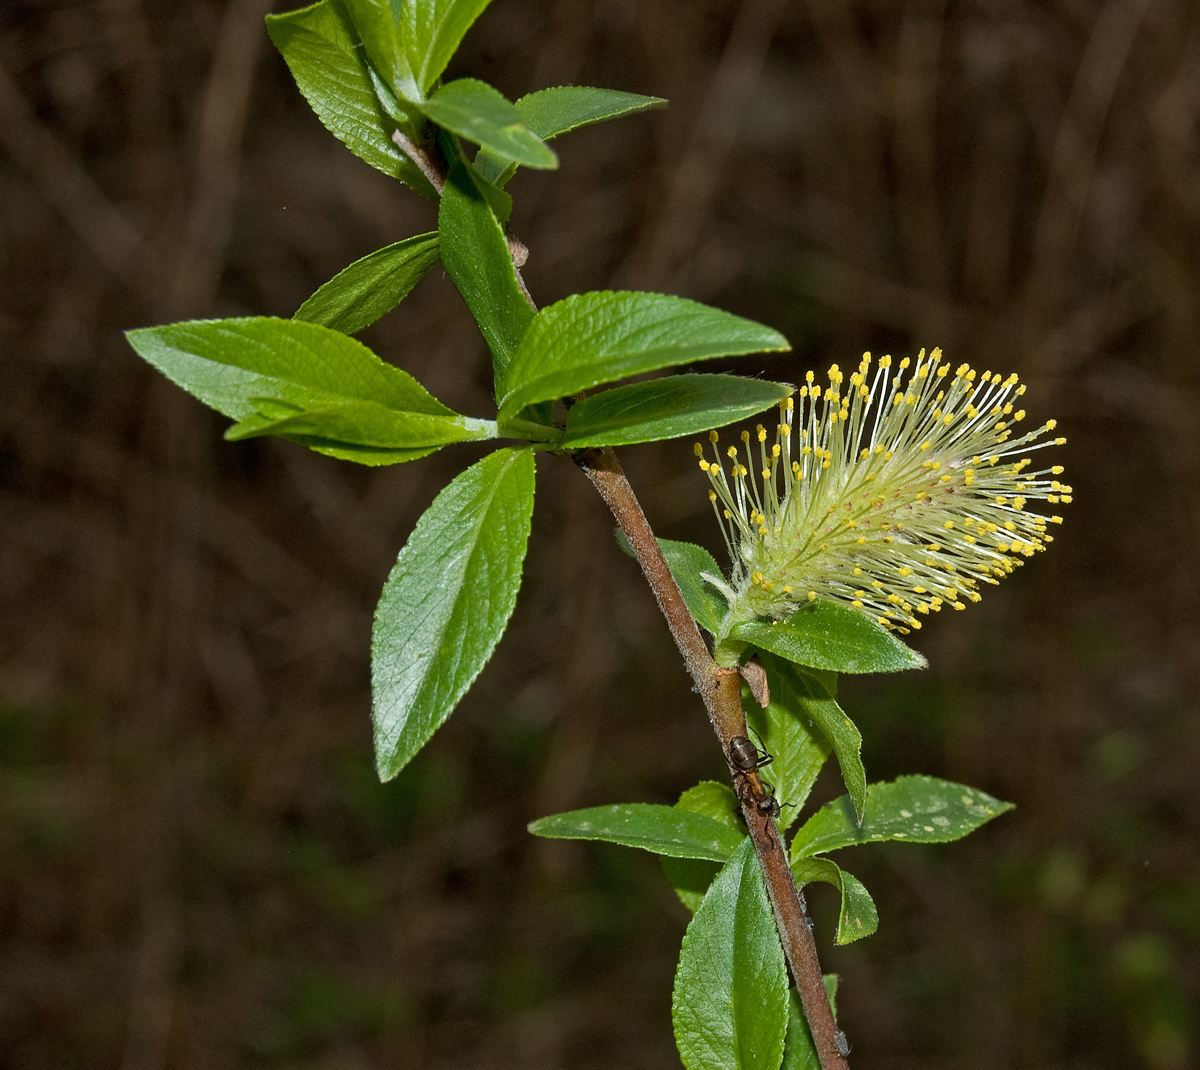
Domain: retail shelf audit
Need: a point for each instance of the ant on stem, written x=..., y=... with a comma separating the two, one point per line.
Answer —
x=746, y=759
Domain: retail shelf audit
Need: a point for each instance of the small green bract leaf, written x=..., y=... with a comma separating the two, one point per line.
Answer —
x=371, y=287
x=731, y=988
x=912, y=809
x=308, y=383
x=593, y=338
x=665, y=830
x=431, y=31
x=846, y=740
x=689, y=563
x=447, y=602
x=786, y=731
x=690, y=877
x=476, y=256
x=474, y=110
x=321, y=48
x=714, y=800
x=667, y=408
x=827, y=635
x=858, y=916
x=800, y=1053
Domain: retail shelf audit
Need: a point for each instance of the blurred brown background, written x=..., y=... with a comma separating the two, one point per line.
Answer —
x=198, y=868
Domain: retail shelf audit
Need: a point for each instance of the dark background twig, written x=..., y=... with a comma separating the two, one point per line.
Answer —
x=197, y=868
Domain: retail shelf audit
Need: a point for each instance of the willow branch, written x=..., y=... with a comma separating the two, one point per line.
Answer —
x=721, y=691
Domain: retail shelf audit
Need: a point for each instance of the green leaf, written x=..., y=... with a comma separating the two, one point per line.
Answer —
x=499, y=201
x=308, y=383
x=828, y=635
x=474, y=110
x=912, y=809
x=665, y=830
x=325, y=424
x=689, y=563
x=799, y=748
x=800, y=1053
x=376, y=26
x=371, y=287
x=857, y=917
x=431, y=31
x=690, y=877
x=714, y=800
x=476, y=256
x=447, y=602
x=821, y=682
x=731, y=988
x=817, y=710
x=667, y=408
x=321, y=48
x=551, y=112
x=593, y=338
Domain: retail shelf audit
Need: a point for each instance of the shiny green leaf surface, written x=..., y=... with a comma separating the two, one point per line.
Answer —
x=829, y=635
x=322, y=50
x=731, y=987
x=371, y=287
x=561, y=109
x=665, y=830
x=431, y=31
x=306, y=382
x=787, y=731
x=689, y=564
x=333, y=420
x=667, y=408
x=447, y=601
x=380, y=36
x=475, y=252
x=857, y=917
x=843, y=736
x=551, y=112
x=479, y=113
x=593, y=338
x=911, y=809
x=690, y=877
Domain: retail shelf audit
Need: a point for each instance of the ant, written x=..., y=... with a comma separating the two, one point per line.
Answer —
x=746, y=758
x=745, y=754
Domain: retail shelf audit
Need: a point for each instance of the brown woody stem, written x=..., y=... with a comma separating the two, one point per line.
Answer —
x=427, y=160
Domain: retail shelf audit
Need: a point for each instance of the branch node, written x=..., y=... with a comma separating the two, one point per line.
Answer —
x=425, y=161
